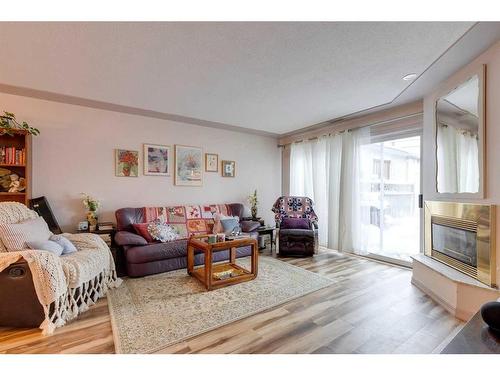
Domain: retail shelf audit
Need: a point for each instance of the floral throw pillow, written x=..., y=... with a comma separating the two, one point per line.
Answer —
x=162, y=232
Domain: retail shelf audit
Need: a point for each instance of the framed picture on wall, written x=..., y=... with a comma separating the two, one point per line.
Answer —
x=188, y=169
x=228, y=168
x=156, y=160
x=126, y=163
x=211, y=163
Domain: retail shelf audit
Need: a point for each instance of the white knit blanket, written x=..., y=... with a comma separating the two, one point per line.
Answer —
x=65, y=286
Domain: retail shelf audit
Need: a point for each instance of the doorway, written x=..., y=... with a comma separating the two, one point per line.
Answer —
x=390, y=188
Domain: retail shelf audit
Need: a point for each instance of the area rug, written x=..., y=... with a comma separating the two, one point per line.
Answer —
x=153, y=312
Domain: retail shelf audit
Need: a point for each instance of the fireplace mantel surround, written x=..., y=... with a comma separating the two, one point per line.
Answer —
x=458, y=267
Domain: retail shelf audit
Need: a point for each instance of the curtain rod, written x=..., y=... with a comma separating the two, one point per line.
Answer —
x=350, y=129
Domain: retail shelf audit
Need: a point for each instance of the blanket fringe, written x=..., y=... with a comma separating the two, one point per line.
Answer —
x=77, y=300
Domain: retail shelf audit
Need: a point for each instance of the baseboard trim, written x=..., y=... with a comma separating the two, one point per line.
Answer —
x=450, y=308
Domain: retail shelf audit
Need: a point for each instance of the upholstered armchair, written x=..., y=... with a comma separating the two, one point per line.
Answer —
x=297, y=225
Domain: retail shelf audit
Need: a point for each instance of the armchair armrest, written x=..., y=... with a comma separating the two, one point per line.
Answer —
x=124, y=238
x=249, y=226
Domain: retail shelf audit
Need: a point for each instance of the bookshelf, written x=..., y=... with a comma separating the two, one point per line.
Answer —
x=15, y=157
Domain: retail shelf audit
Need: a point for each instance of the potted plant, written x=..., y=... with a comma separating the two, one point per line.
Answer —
x=92, y=205
x=252, y=199
x=9, y=124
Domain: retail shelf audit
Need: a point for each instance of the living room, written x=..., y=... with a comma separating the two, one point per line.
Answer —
x=249, y=187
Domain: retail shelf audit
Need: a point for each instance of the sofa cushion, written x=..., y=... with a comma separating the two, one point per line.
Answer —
x=50, y=246
x=66, y=244
x=15, y=236
x=156, y=251
x=162, y=232
x=229, y=223
x=295, y=223
x=124, y=238
x=217, y=227
x=249, y=226
x=142, y=230
x=296, y=232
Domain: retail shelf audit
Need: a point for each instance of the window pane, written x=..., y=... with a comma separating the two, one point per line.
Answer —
x=390, y=197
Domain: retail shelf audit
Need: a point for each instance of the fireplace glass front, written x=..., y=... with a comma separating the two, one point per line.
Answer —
x=456, y=243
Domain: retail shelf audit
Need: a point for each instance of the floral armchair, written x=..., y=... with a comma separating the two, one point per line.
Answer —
x=298, y=224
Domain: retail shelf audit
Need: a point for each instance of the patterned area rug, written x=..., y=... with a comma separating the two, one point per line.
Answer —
x=151, y=313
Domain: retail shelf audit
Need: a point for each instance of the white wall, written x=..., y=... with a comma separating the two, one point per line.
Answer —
x=492, y=174
x=75, y=153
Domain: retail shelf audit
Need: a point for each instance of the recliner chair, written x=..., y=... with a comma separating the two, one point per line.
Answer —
x=297, y=225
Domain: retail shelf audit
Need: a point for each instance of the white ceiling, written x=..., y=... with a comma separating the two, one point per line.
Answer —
x=273, y=77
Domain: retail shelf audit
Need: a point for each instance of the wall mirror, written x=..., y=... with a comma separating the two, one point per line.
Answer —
x=459, y=124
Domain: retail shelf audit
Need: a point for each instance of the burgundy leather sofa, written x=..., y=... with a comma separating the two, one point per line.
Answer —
x=143, y=258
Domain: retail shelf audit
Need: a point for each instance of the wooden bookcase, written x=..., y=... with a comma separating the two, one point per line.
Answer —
x=20, y=140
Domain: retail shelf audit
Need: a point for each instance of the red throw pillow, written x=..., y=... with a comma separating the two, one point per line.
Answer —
x=142, y=230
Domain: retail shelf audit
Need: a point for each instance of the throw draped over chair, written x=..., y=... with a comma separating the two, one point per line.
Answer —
x=297, y=224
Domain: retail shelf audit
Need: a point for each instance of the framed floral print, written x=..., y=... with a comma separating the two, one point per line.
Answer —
x=156, y=160
x=188, y=169
x=228, y=168
x=126, y=163
x=211, y=163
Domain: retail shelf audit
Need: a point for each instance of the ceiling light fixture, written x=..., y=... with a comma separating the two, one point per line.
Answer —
x=410, y=77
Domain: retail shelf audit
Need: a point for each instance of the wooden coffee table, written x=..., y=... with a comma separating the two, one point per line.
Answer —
x=205, y=273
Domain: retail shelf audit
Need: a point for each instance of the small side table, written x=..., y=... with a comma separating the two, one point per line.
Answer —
x=267, y=231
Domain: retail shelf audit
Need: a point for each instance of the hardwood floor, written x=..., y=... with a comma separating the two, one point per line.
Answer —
x=372, y=308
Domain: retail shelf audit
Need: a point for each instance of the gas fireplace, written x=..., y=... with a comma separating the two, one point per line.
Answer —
x=461, y=235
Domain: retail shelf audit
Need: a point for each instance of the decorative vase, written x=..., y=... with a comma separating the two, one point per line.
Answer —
x=254, y=212
x=92, y=219
x=126, y=170
x=490, y=312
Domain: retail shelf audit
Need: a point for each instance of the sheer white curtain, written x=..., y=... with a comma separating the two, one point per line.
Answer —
x=353, y=218
x=328, y=171
x=468, y=162
x=457, y=153
x=315, y=168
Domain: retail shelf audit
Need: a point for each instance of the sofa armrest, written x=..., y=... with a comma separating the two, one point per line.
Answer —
x=124, y=238
x=249, y=226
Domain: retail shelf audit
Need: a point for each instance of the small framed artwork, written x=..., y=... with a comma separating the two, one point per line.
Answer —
x=211, y=163
x=156, y=160
x=126, y=163
x=188, y=166
x=228, y=168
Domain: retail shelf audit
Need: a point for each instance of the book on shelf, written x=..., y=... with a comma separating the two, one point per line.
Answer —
x=11, y=155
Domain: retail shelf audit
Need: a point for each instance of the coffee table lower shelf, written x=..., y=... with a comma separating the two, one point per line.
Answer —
x=242, y=274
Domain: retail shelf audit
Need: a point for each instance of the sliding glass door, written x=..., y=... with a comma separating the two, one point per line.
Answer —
x=389, y=191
